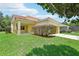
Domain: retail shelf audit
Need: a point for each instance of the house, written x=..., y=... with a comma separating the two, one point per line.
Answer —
x=48, y=26
x=22, y=24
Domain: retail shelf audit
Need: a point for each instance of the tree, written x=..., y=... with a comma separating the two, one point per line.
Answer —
x=1, y=21
x=7, y=20
x=66, y=22
x=6, y=23
x=1, y=16
x=74, y=22
x=67, y=10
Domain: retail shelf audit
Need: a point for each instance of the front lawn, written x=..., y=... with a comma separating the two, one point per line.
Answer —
x=27, y=44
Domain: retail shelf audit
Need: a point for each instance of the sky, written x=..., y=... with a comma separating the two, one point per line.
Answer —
x=27, y=9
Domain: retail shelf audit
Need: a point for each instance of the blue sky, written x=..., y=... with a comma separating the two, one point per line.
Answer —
x=27, y=9
x=38, y=7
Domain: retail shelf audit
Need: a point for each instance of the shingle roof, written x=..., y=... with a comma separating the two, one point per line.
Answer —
x=26, y=18
x=49, y=21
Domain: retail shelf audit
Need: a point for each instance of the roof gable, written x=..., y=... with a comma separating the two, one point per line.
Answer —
x=50, y=21
x=25, y=18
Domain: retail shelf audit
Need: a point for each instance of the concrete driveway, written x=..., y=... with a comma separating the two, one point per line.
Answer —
x=66, y=36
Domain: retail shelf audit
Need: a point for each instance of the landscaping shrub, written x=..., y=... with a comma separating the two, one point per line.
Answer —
x=53, y=50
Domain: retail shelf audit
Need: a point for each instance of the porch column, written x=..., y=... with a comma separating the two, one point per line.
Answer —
x=11, y=27
x=19, y=27
x=58, y=30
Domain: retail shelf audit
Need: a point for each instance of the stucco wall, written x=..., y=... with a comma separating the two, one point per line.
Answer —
x=74, y=28
x=71, y=28
x=55, y=30
x=64, y=29
x=28, y=28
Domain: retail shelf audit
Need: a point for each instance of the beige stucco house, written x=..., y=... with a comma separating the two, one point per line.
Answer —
x=21, y=24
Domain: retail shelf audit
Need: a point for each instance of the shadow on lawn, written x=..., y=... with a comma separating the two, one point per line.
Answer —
x=44, y=36
x=54, y=50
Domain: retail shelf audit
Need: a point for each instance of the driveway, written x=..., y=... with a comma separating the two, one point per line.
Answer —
x=66, y=36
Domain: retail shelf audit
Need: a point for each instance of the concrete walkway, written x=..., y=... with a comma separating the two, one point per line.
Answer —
x=66, y=36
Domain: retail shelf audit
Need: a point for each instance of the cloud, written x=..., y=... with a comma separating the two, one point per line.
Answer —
x=43, y=16
x=11, y=5
x=17, y=8
x=20, y=9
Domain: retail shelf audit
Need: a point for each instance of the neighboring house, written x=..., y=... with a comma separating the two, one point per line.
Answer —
x=21, y=24
x=74, y=28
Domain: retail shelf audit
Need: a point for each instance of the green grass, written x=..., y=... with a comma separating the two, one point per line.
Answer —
x=27, y=44
x=73, y=33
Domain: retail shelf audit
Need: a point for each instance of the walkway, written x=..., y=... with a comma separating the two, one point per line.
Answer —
x=66, y=36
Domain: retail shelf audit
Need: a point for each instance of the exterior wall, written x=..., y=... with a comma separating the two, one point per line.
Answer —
x=28, y=28
x=19, y=27
x=69, y=28
x=55, y=30
x=64, y=29
x=74, y=28
x=13, y=27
